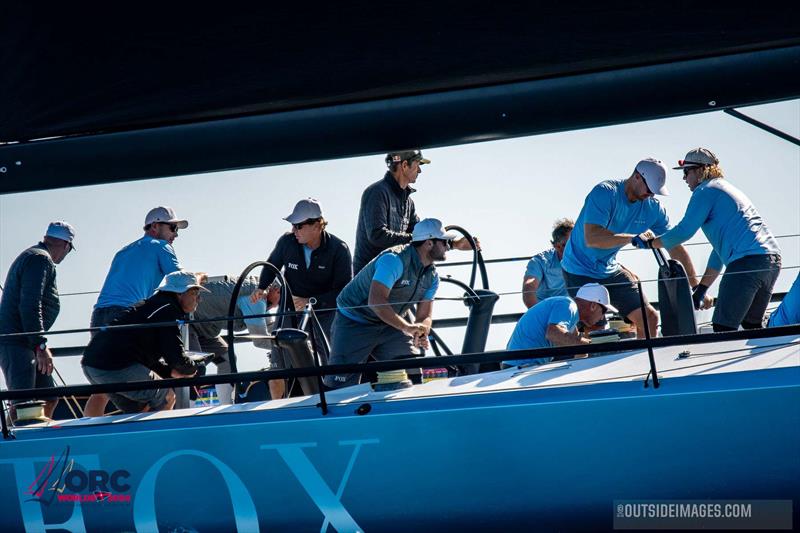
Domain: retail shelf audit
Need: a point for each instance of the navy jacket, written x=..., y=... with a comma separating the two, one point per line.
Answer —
x=30, y=296
x=330, y=270
x=116, y=349
x=386, y=218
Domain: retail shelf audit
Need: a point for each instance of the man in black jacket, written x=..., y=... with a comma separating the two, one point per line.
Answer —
x=315, y=263
x=123, y=355
x=30, y=303
x=387, y=215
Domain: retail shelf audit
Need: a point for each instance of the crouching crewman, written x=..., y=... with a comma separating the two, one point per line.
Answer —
x=135, y=354
x=371, y=309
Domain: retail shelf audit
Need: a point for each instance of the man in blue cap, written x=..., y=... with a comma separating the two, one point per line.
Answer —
x=30, y=303
x=371, y=310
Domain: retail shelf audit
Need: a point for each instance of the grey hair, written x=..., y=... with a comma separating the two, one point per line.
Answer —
x=561, y=229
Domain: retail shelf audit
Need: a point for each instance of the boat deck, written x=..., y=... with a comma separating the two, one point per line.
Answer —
x=723, y=358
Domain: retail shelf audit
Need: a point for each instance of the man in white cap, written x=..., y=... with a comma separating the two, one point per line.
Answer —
x=135, y=272
x=740, y=239
x=554, y=322
x=371, y=315
x=135, y=354
x=387, y=215
x=614, y=214
x=30, y=303
x=316, y=264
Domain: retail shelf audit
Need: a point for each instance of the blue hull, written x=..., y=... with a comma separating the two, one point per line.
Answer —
x=548, y=459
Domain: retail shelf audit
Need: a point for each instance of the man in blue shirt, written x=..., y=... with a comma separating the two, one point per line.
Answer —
x=371, y=310
x=553, y=322
x=543, y=276
x=615, y=212
x=789, y=311
x=740, y=239
x=135, y=272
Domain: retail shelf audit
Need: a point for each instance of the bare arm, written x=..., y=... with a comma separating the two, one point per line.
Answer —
x=378, y=301
x=679, y=253
x=529, y=286
x=600, y=237
x=559, y=336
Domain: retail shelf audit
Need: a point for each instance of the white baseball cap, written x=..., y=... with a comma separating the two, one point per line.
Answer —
x=180, y=281
x=430, y=228
x=594, y=292
x=654, y=173
x=166, y=215
x=61, y=230
x=307, y=209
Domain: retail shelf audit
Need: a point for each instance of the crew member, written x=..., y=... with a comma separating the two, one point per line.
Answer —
x=543, y=276
x=614, y=212
x=316, y=264
x=119, y=355
x=789, y=311
x=30, y=303
x=740, y=239
x=554, y=322
x=206, y=337
x=371, y=316
x=135, y=272
x=387, y=215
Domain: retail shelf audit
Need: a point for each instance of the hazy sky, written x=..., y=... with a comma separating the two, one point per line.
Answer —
x=506, y=192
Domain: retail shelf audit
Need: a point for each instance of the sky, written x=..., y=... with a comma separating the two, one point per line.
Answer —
x=507, y=192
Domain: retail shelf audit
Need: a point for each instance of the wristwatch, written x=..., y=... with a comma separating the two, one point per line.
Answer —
x=42, y=347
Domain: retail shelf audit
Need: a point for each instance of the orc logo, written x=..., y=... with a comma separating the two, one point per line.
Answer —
x=61, y=480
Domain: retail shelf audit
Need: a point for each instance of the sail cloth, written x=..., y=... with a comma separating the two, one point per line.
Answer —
x=69, y=72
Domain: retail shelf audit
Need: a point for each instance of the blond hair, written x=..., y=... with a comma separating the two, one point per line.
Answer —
x=710, y=172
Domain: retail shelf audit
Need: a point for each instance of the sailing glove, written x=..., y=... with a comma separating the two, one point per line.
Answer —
x=698, y=293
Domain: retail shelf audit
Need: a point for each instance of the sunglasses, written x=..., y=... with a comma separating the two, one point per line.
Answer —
x=448, y=244
x=687, y=169
x=300, y=225
x=172, y=227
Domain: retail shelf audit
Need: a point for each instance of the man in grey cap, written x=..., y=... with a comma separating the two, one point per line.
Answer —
x=387, y=215
x=316, y=264
x=135, y=272
x=740, y=239
x=371, y=310
x=616, y=213
x=30, y=303
x=140, y=354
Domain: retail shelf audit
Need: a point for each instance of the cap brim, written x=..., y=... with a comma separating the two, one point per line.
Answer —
x=292, y=219
x=662, y=191
x=611, y=308
x=424, y=161
x=687, y=165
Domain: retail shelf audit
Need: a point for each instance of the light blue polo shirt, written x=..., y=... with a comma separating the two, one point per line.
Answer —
x=729, y=221
x=609, y=207
x=546, y=268
x=388, y=269
x=531, y=329
x=136, y=271
x=789, y=310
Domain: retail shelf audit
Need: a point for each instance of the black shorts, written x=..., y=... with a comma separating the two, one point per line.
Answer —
x=622, y=288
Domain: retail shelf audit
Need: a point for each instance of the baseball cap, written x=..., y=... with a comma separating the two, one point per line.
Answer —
x=307, y=209
x=180, y=281
x=165, y=215
x=698, y=156
x=61, y=230
x=654, y=173
x=430, y=228
x=406, y=155
x=594, y=292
